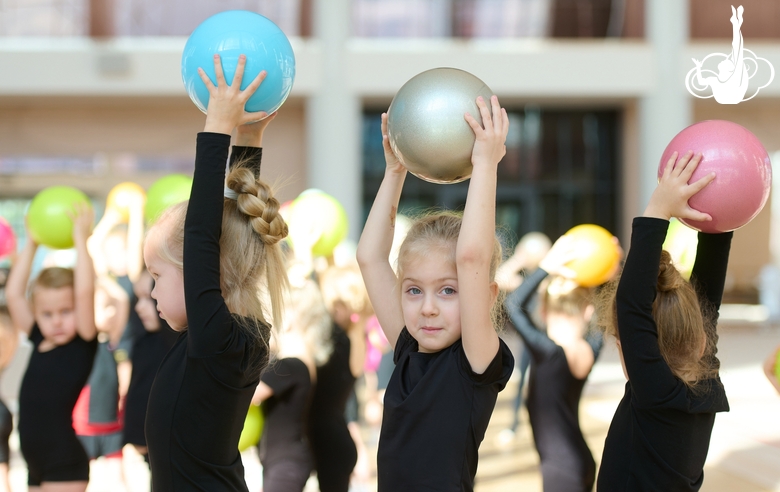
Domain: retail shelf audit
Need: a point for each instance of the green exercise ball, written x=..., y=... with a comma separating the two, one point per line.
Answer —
x=777, y=366
x=681, y=243
x=316, y=210
x=253, y=428
x=166, y=191
x=48, y=218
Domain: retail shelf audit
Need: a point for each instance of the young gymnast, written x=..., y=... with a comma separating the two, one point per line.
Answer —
x=333, y=448
x=666, y=336
x=208, y=258
x=436, y=313
x=285, y=389
x=335, y=434
x=152, y=339
x=561, y=360
x=59, y=319
x=97, y=416
x=530, y=250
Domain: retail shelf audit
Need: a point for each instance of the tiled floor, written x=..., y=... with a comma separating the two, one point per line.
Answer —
x=744, y=452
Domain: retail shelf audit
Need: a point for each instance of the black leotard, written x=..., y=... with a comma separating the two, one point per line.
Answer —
x=50, y=387
x=334, y=450
x=660, y=434
x=553, y=400
x=204, y=386
x=284, y=449
x=436, y=413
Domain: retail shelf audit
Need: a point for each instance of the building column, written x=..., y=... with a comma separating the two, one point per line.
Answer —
x=333, y=115
x=668, y=108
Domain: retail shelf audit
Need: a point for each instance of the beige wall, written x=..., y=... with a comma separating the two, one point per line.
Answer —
x=167, y=127
x=158, y=126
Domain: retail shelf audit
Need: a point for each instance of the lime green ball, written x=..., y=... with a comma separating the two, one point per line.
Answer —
x=253, y=428
x=681, y=243
x=166, y=191
x=316, y=209
x=48, y=218
x=777, y=366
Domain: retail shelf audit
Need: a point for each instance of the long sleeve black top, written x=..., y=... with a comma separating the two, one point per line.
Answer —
x=553, y=398
x=204, y=386
x=660, y=434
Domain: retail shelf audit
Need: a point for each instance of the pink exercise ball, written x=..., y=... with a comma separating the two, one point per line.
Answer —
x=7, y=238
x=743, y=173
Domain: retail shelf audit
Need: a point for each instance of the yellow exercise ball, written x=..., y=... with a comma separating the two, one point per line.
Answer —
x=597, y=254
x=121, y=197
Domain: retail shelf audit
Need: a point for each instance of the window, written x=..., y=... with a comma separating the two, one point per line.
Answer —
x=561, y=169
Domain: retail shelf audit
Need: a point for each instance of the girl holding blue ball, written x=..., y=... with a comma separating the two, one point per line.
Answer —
x=208, y=257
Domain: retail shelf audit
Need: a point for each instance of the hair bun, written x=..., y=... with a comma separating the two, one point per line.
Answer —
x=669, y=277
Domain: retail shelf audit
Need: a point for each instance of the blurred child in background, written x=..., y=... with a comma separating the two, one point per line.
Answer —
x=152, y=339
x=97, y=416
x=335, y=445
x=59, y=319
x=562, y=356
x=285, y=390
x=530, y=250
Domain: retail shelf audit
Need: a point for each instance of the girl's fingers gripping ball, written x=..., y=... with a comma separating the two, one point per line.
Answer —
x=741, y=164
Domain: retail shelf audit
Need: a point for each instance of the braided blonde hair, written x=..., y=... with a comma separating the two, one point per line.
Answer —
x=251, y=262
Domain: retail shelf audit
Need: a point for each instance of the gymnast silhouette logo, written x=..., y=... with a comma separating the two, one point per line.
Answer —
x=730, y=83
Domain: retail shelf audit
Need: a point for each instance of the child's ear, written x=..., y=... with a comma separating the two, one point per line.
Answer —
x=493, y=292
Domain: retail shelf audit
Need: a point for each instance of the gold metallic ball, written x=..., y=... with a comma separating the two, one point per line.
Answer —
x=426, y=124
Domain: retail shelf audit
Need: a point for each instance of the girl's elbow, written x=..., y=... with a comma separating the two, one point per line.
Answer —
x=472, y=258
x=365, y=259
x=362, y=256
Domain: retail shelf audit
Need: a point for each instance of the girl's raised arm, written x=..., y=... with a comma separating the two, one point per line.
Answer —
x=84, y=274
x=19, y=307
x=477, y=291
x=373, y=253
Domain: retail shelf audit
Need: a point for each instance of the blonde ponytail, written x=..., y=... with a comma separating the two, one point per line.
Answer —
x=252, y=254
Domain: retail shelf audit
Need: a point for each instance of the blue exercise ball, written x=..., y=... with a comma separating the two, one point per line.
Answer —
x=231, y=34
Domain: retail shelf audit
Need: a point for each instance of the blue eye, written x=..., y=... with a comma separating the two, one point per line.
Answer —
x=414, y=291
x=448, y=291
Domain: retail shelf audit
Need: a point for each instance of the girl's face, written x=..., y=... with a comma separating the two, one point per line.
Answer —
x=146, y=307
x=168, y=286
x=430, y=302
x=55, y=313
